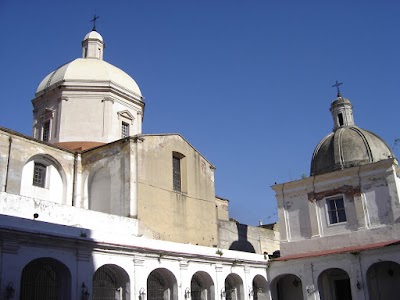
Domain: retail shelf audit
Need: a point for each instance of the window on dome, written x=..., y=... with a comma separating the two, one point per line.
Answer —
x=340, y=117
x=46, y=131
x=124, y=129
x=39, y=175
x=336, y=210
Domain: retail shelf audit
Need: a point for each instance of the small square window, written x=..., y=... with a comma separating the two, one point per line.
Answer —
x=336, y=210
x=124, y=129
x=39, y=175
x=46, y=131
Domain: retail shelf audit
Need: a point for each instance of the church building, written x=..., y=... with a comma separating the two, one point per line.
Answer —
x=340, y=227
x=92, y=208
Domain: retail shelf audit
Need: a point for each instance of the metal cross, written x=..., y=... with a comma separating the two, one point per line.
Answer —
x=94, y=22
x=337, y=84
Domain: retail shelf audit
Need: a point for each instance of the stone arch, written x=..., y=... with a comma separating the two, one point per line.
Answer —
x=334, y=284
x=162, y=285
x=233, y=288
x=202, y=287
x=55, y=180
x=99, y=189
x=287, y=287
x=45, y=278
x=259, y=289
x=383, y=280
x=111, y=282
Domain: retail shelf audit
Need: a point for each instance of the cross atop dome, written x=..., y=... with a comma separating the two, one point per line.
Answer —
x=337, y=84
x=94, y=21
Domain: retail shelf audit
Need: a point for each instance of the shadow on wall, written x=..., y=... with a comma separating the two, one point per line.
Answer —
x=242, y=244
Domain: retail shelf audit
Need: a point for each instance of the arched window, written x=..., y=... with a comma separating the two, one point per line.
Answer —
x=45, y=278
x=202, y=287
x=44, y=178
x=334, y=284
x=161, y=285
x=110, y=282
x=383, y=280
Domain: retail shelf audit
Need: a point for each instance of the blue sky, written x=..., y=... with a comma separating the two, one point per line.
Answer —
x=248, y=83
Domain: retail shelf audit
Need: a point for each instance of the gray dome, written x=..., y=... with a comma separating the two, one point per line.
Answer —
x=347, y=147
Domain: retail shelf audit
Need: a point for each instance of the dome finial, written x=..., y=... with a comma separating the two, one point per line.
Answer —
x=94, y=22
x=337, y=84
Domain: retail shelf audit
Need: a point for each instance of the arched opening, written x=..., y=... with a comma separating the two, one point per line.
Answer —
x=99, y=190
x=233, y=289
x=202, y=287
x=383, y=280
x=45, y=278
x=259, y=289
x=161, y=285
x=287, y=287
x=334, y=284
x=111, y=282
x=44, y=178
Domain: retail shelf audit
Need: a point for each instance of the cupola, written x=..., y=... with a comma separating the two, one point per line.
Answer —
x=348, y=145
x=87, y=101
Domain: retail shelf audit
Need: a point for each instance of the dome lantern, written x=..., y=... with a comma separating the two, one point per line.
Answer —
x=93, y=45
x=348, y=145
x=341, y=109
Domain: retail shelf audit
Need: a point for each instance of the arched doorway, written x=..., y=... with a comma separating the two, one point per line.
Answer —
x=161, y=285
x=287, y=287
x=383, y=280
x=334, y=284
x=202, y=287
x=233, y=287
x=45, y=278
x=111, y=282
x=259, y=289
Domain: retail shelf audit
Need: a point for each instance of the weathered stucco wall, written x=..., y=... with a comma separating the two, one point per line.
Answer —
x=235, y=236
x=370, y=200
x=22, y=151
x=222, y=206
x=188, y=216
x=106, y=174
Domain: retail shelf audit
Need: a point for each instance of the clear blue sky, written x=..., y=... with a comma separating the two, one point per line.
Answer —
x=248, y=83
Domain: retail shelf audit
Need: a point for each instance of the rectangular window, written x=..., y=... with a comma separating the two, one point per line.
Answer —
x=340, y=117
x=176, y=173
x=46, y=131
x=336, y=211
x=39, y=175
x=125, y=129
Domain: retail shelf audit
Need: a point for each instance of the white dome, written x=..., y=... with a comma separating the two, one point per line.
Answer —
x=91, y=71
x=93, y=35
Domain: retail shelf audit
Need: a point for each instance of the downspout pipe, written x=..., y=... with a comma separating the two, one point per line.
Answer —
x=74, y=178
x=8, y=163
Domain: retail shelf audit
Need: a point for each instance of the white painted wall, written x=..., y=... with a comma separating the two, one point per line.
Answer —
x=54, y=187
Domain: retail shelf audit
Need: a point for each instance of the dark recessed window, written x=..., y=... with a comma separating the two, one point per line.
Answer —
x=176, y=173
x=46, y=131
x=124, y=129
x=336, y=210
x=340, y=118
x=39, y=175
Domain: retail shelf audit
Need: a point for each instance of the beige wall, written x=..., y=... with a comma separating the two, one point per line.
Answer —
x=188, y=216
x=106, y=178
x=222, y=206
x=236, y=236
